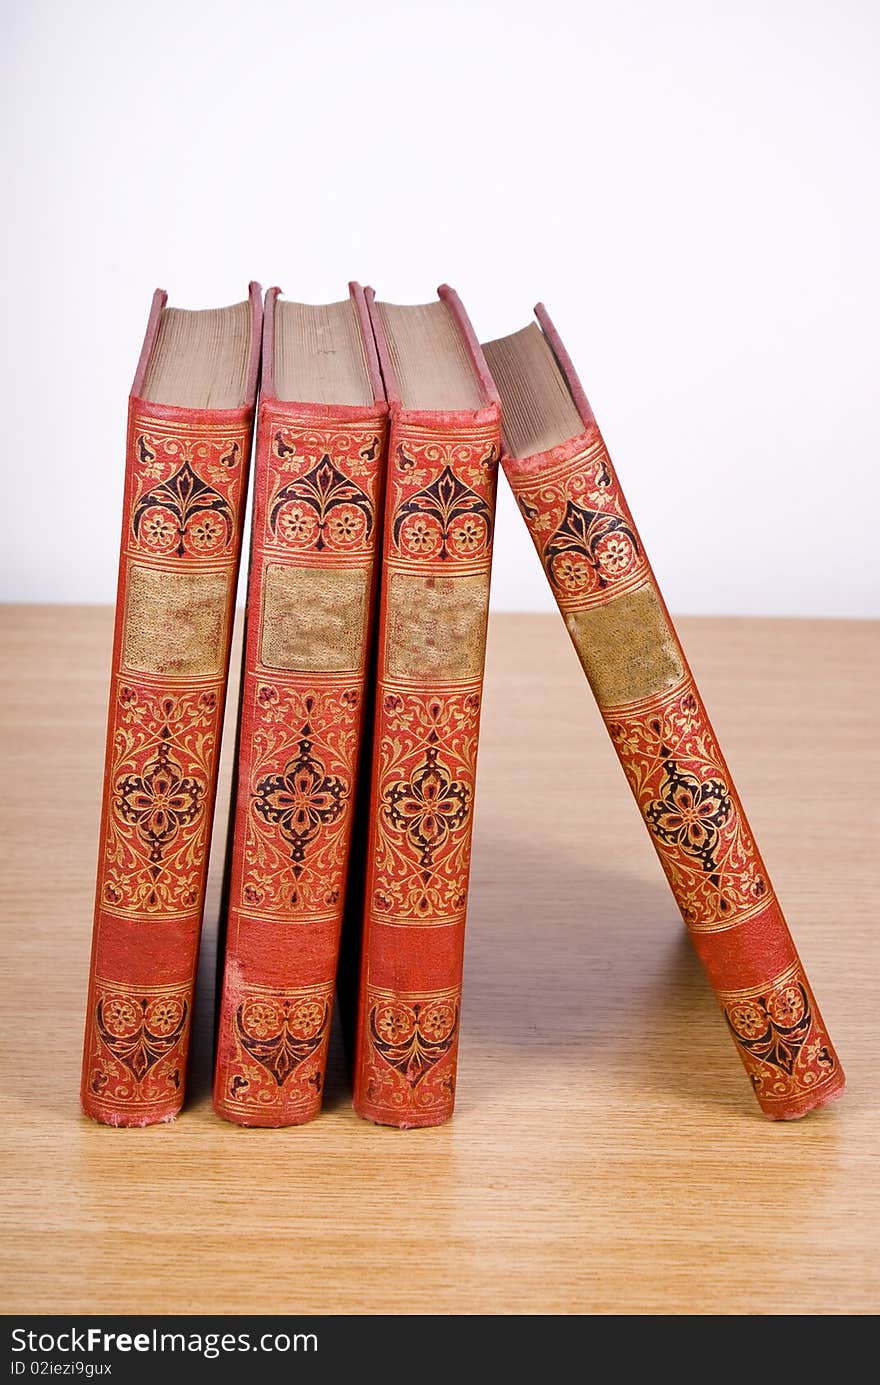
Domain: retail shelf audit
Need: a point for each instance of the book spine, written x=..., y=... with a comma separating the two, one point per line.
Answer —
x=185, y=490
x=439, y=526
x=317, y=518
x=600, y=576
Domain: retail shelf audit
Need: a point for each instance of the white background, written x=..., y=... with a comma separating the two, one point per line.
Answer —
x=691, y=187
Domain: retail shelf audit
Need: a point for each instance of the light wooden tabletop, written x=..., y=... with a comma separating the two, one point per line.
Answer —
x=606, y=1154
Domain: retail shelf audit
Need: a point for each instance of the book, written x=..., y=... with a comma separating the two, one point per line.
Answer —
x=190, y=417
x=571, y=500
x=444, y=443
x=318, y=479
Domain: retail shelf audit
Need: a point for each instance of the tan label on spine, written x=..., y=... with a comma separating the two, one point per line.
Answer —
x=626, y=647
x=313, y=619
x=175, y=622
x=437, y=626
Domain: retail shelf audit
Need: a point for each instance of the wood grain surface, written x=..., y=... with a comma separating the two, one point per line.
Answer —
x=606, y=1154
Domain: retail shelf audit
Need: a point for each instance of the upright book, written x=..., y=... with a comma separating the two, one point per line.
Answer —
x=442, y=468
x=188, y=452
x=318, y=477
x=568, y=493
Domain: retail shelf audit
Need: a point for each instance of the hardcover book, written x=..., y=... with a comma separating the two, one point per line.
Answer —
x=439, y=519
x=318, y=477
x=188, y=451
x=569, y=495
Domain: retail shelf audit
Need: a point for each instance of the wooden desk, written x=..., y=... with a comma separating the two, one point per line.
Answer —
x=606, y=1154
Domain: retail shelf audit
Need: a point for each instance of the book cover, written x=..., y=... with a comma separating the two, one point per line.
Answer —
x=187, y=457
x=443, y=452
x=571, y=500
x=318, y=478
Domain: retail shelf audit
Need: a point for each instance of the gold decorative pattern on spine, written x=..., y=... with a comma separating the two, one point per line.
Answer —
x=302, y=749
x=781, y=1037
x=138, y=1039
x=426, y=755
x=582, y=528
x=154, y=853
x=748, y=992
x=411, y=1037
x=683, y=788
x=281, y=1041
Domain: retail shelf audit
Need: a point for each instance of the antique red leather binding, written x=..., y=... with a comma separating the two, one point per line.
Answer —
x=569, y=495
x=188, y=451
x=318, y=476
x=439, y=518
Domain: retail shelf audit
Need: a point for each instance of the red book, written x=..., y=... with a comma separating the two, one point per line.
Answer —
x=439, y=519
x=188, y=451
x=595, y=561
x=318, y=476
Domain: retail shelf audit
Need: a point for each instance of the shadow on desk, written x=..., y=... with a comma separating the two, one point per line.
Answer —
x=588, y=970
